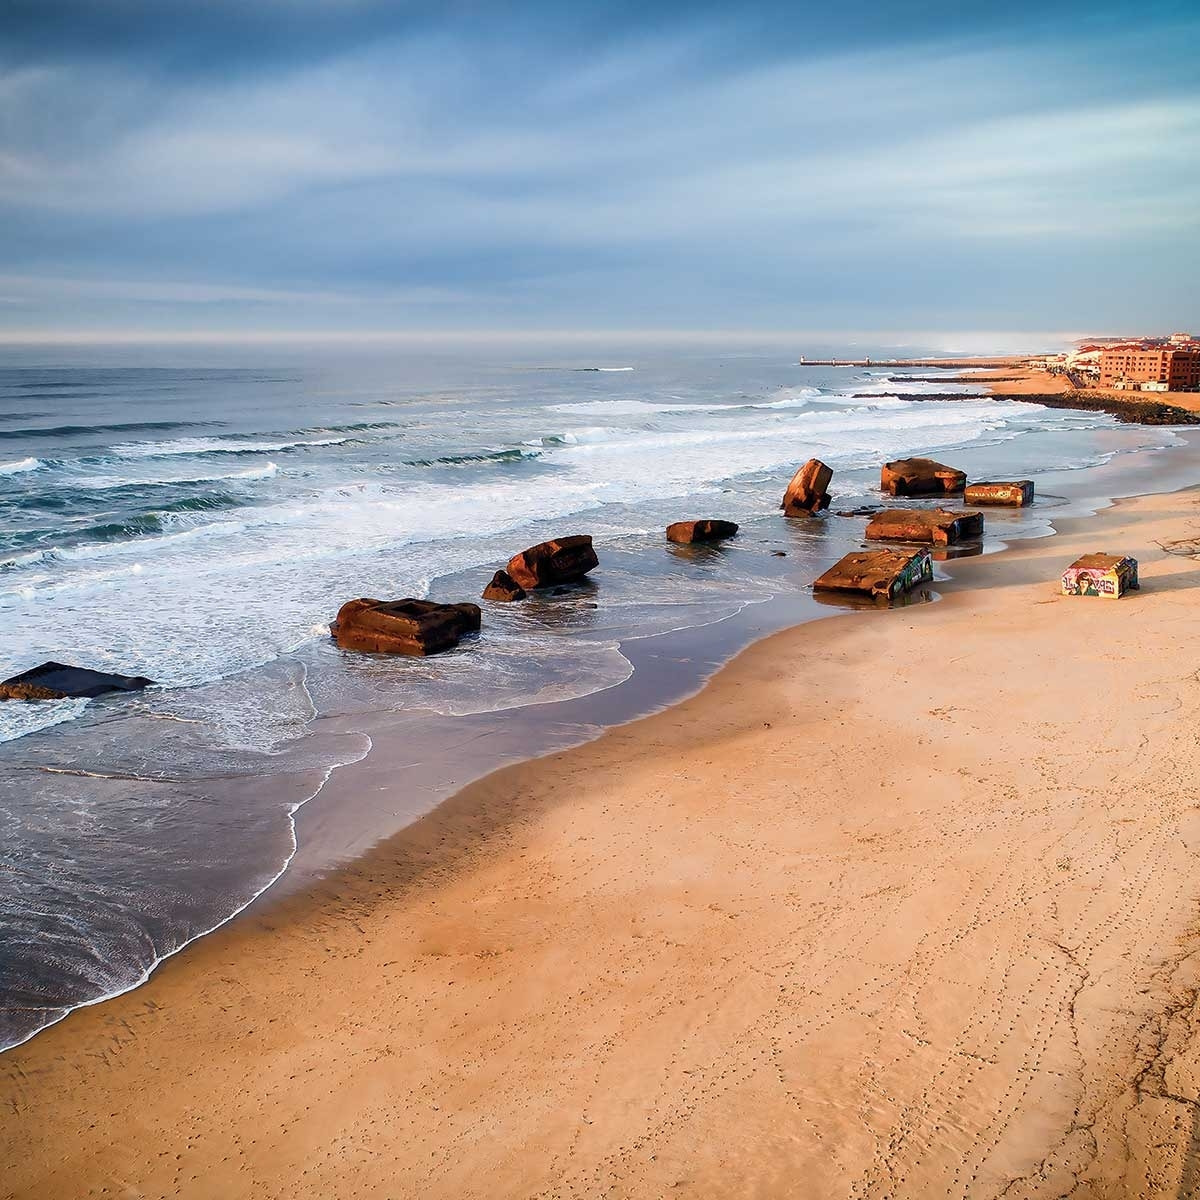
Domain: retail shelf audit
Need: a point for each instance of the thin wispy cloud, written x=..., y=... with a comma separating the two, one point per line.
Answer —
x=690, y=171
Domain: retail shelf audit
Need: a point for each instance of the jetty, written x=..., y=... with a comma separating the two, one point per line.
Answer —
x=946, y=364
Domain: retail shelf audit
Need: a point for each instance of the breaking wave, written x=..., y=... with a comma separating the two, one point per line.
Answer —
x=465, y=460
x=20, y=466
x=58, y=431
x=103, y=483
x=189, y=447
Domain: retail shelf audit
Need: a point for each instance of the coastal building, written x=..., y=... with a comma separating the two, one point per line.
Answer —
x=1139, y=368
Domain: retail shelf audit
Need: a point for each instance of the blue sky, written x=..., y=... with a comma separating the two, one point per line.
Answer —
x=348, y=166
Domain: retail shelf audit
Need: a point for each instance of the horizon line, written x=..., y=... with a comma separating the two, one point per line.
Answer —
x=29, y=337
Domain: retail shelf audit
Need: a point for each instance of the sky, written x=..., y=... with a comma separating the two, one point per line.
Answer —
x=307, y=168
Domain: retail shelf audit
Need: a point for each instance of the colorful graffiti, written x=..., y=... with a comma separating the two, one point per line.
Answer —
x=918, y=569
x=1108, y=576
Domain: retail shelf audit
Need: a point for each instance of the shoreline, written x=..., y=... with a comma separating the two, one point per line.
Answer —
x=1055, y=391
x=658, y=665
x=169, y=1020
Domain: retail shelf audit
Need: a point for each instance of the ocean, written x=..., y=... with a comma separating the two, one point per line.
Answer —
x=202, y=525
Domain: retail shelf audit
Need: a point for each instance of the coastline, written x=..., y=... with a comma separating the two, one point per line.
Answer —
x=649, y=629
x=1019, y=382
x=549, y=902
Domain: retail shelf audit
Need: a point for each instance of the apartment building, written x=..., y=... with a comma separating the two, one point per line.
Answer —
x=1173, y=370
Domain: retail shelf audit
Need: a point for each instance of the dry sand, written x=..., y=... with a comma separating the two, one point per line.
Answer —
x=903, y=904
x=1019, y=381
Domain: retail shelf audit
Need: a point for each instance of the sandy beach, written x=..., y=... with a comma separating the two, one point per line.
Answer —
x=1017, y=380
x=901, y=904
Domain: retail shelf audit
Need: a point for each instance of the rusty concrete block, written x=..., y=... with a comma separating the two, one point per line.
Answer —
x=937, y=526
x=880, y=574
x=1015, y=494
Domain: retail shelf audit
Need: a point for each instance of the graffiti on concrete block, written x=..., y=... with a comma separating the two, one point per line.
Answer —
x=1106, y=575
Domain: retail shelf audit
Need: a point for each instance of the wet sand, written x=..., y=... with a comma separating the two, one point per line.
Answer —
x=901, y=904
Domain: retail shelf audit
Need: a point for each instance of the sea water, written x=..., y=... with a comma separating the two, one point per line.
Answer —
x=202, y=525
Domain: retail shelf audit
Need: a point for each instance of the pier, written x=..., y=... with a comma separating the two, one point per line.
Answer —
x=948, y=364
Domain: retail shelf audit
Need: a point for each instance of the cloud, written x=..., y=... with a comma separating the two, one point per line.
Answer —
x=26, y=289
x=512, y=177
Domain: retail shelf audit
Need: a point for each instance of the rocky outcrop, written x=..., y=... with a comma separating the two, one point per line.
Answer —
x=936, y=526
x=880, y=574
x=504, y=589
x=58, y=681
x=1131, y=411
x=1015, y=494
x=685, y=533
x=417, y=627
x=562, y=560
x=921, y=477
x=808, y=492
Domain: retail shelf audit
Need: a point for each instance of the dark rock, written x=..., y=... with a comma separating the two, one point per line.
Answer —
x=937, y=526
x=416, y=627
x=562, y=560
x=1132, y=412
x=808, y=492
x=880, y=574
x=920, y=477
x=58, y=681
x=504, y=588
x=686, y=532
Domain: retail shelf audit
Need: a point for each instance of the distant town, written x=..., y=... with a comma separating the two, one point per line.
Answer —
x=1146, y=364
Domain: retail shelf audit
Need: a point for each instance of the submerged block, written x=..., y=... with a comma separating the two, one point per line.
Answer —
x=504, y=589
x=880, y=574
x=1107, y=575
x=1015, y=494
x=686, y=532
x=58, y=681
x=921, y=477
x=937, y=526
x=808, y=492
x=417, y=627
x=562, y=560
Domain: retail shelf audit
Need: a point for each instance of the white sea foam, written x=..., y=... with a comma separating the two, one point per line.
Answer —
x=236, y=591
x=17, y=719
x=106, y=482
x=897, y=384
x=20, y=466
x=793, y=398
x=189, y=446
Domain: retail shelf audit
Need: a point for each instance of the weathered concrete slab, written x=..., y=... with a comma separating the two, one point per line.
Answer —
x=415, y=627
x=1109, y=576
x=562, y=560
x=685, y=533
x=808, y=492
x=937, y=526
x=504, y=589
x=880, y=574
x=921, y=477
x=1016, y=493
